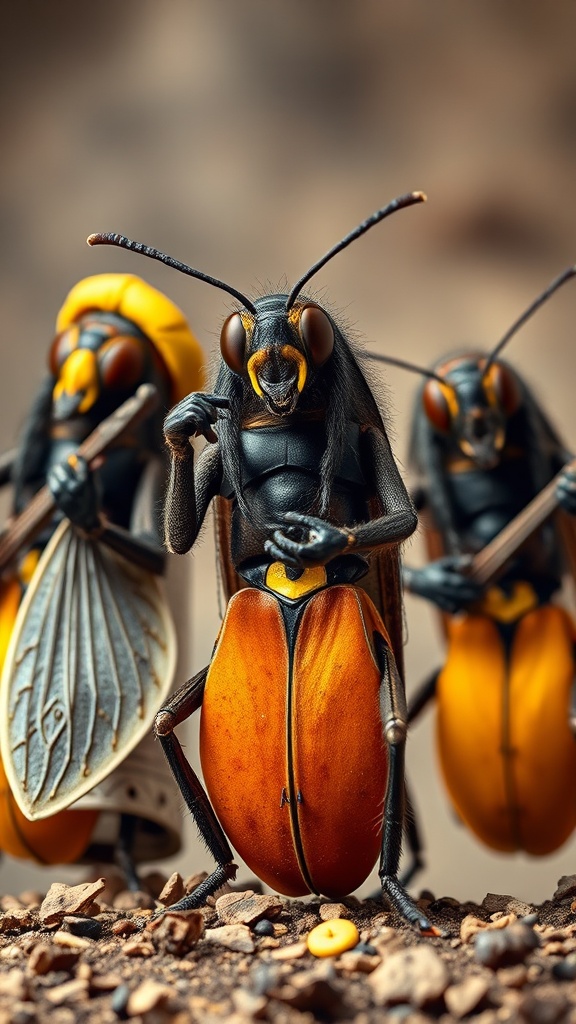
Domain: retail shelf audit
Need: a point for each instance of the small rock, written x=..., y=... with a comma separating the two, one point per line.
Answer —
x=120, y=998
x=566, y=887
x=330, y=911
x=150, y=995
x=193, y=881
x=70, y=991
x=493, y=902
x=62, y=900
x=353, y=960
x=233, y=936
x=85, y=927
x=464, y=997
x=31, y=898
x=565, y=970
x=105, y=982
x=70, y=941
x=292, y=952
x=8, y=903
x=315, y=990
x=543, y=1009
x=176, y=931
x=263, y=927
x=365, y=947
x=46, y=957
x=124, y=927
x=416, y=975
x=173, y=890
x=129, y=899
x=137, y=947
x=513, y=977
x=17, y=920
x=249, y=1004
x=14, y=985
x=520, y=908
x=152, y=882
x=507, y=946
x=247, y=907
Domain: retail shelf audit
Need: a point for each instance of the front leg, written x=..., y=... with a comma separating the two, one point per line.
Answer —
x=189, y=494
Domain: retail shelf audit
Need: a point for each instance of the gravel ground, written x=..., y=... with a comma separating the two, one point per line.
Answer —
x=95, y=952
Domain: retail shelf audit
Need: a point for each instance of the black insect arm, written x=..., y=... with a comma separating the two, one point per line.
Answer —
x=399, y=520
x=190, y=491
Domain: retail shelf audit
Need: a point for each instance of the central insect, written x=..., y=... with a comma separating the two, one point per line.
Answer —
x=303, y=705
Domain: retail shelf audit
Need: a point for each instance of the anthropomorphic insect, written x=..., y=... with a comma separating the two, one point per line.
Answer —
x=303, y=708
x=91, y=638
x=484, y=452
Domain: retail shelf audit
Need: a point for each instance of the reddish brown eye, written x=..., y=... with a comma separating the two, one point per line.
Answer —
x=317, y=333
x=121, y=362
x=505, y=388
x=436, y=406
x=233, y=342
x=62, y=346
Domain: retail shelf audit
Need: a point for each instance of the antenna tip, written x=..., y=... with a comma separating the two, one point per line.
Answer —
x=420, y=197
x=93, y=239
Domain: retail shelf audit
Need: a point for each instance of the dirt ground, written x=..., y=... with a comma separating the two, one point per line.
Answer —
x=95, y=952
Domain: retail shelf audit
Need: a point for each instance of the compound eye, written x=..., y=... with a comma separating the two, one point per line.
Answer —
x=233, y=342
x=62, y=346
x=317, y=333
x=504, y=386
x=121, y=362
x=436, y=406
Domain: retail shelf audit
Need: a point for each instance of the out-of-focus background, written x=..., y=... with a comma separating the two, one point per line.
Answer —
x=246, y=139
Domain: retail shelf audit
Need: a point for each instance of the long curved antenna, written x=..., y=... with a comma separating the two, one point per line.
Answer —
x=556, y=283
x=109, y=238
x=411, y=367
x=397, y=204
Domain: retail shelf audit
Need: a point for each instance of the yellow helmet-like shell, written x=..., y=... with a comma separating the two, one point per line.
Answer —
x=156, y=316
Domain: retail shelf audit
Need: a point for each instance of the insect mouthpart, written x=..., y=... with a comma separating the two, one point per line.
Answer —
x=482, y=437
x=278, y=375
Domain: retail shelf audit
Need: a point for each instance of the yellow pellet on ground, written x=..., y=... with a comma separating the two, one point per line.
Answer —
x=332, y=937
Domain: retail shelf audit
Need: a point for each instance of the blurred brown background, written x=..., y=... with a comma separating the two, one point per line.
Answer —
x=246, y=138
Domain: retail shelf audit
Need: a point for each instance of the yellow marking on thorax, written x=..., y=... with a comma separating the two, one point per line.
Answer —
x=279, y=582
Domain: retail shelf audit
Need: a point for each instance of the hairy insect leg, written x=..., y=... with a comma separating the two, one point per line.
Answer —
x=187, y=700
x=413, y=839
x=424, y=694
x=124, y=850
x=394, y=719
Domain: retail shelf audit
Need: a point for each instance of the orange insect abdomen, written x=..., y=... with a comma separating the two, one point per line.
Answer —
x=291, y=745
x=507, y=753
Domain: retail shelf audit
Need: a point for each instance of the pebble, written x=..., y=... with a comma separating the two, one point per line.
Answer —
x=263, y=927
x=124, y=927
x=70, y=990
x=173, y=890
x=46, y=957
x=416, y=975
x=128, y=899
x=464, y=997
x=150, y=995
x=17, y=920
x=247, y=907
x=494, y=902
x=565, y=970
x=249, y=1004
x=292, y=952
x=137, y=947
x=62, y=900
x=315, y=990
x=330, y=911
x=176, y=932
x=566, y=887
x=546, y=1009
x=86, y=927
x=510, y=945
x=120, y=997
x=513, y=977
x=14, y=985
x=354, y=961
x=237, y=937
x=70, y=941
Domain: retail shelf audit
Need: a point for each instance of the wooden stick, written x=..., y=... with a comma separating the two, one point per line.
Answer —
x=486, y=564
x=24, y=527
